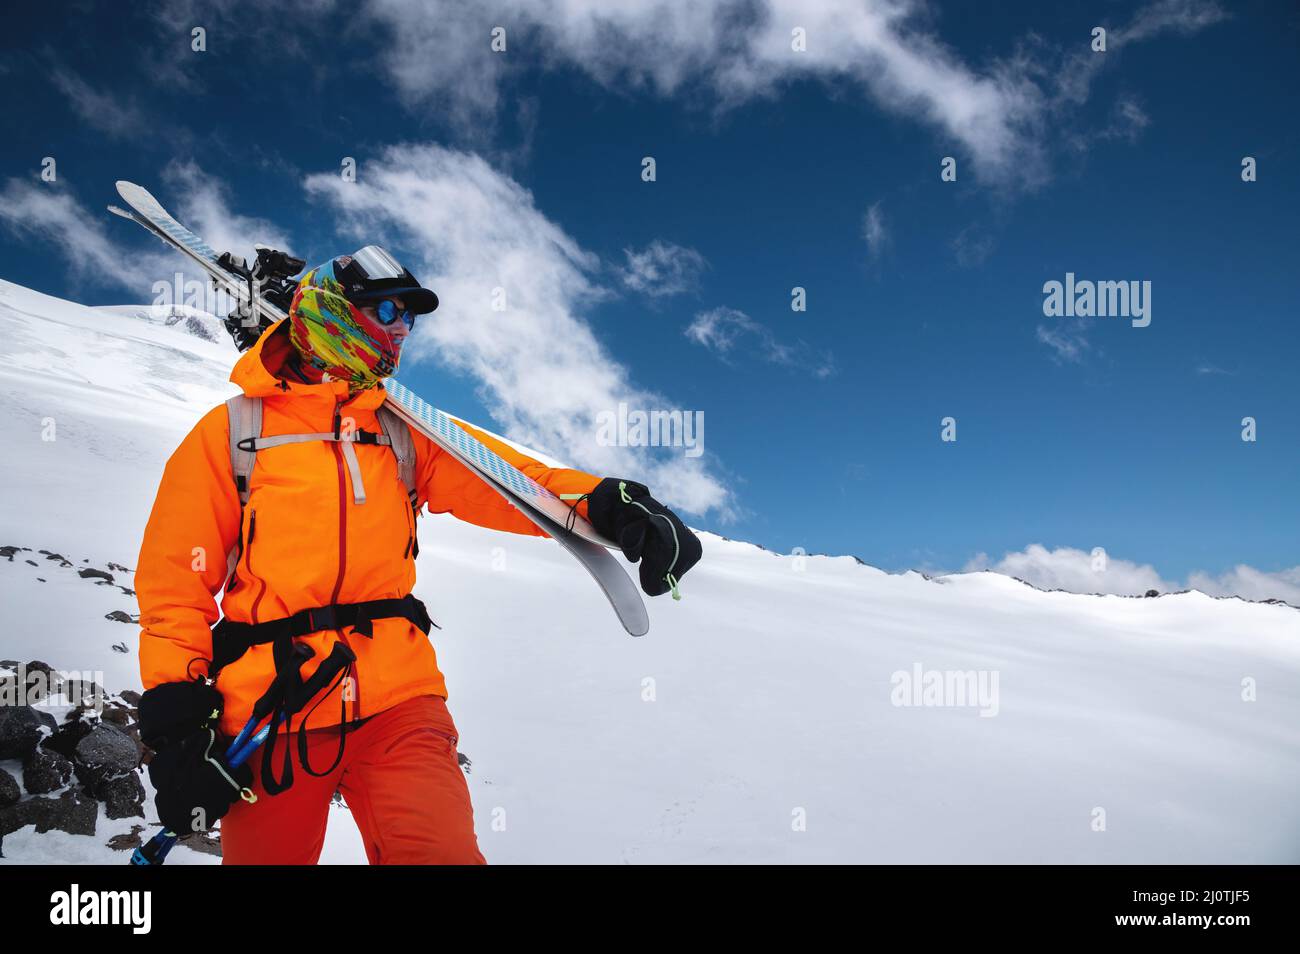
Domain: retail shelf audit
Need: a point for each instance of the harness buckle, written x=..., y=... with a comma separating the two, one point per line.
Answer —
x=322, y=617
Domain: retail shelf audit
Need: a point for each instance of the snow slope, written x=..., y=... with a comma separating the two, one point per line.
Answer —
x=755, y=723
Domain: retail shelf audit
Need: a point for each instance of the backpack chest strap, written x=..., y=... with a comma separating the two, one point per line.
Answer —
x=252, y=445
x=245, y=426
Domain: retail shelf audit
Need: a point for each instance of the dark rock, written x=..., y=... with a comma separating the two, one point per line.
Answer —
x=68, y=735
x=90, y=573
x=463, y=761
x=10, y=551
x=122, y=795
x=32, y=563
x=63, y=561
x=74, y=812
x=127, y=591
x=118, y=567
x=45, y=771
x=21, y=727
x=9, y=790
x=130, y=697
x=118, y=616
x=1153, y=593
x=121, y=648
x=105, y=752
x=127, y=841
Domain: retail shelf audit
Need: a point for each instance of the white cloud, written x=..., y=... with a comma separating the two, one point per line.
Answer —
x=662, y=269
x=98, y=246
x=1250, y=583
x=1179, y=16
x=1068, y=342
x=105, y=111
x=1068, y=569
x=875, y=231
x=1073, y=80
x=1072, y=570
x=202, y=203
x=722, y=330
x=49, y=212
x=1003, y=112
x=741, y=49
x=1000, y=111
x=543, y=375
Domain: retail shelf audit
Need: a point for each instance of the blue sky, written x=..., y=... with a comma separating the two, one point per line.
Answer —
x=820, y=169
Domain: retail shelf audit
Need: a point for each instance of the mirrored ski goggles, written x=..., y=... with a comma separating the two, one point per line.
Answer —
x=388, y=312
x=376, y=264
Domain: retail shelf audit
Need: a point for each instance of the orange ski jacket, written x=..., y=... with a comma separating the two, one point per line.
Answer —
x=303, y=542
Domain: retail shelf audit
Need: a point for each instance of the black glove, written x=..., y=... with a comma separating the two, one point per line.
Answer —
x=645, y=530
x=194, y=783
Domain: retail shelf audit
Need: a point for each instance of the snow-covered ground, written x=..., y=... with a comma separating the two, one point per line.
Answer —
x=757, y=722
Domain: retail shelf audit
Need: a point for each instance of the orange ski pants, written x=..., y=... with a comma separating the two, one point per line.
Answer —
x=399, y=776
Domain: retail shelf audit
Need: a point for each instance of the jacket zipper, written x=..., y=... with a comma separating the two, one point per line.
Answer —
x=410, y=529
x=343, y=540
x=248, y=564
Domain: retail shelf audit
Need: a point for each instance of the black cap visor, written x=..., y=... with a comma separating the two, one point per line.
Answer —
x=419, y=300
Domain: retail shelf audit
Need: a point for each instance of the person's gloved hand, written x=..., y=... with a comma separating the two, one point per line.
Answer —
x=194, y=784
x=645, y=530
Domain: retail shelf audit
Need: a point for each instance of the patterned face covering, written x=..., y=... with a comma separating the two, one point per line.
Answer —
x=335, y=337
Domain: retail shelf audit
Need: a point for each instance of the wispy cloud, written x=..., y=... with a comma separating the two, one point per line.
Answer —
x=1068, y=343
x=471, y=231
x=98, y=247
x=1250, y=583
x=203, y=202
x=972, y=246
x=875, y=231
x=1178, y=16
x=49, y=212
x=1071, y=84
x=728, y=332
x=1001, y=112
x=662, y=269
x=107, y=112
x=1066, y=568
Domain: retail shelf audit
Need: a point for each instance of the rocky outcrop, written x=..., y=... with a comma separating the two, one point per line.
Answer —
x=68, y=768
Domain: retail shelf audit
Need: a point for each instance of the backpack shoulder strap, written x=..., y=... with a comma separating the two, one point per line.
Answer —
x=399, y=437
x=245, y=414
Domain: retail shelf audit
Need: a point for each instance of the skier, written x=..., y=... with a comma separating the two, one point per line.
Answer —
x=316, y=548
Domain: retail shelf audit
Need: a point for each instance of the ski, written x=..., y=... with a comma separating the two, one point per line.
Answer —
x=550, y=514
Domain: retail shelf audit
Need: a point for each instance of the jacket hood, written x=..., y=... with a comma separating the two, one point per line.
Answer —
x=256, y=374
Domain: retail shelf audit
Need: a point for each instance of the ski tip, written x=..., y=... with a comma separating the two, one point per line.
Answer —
x=132, y=192
x=122, y=212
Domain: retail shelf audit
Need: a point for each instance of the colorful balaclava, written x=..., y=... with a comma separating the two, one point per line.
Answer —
x=332, y=335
